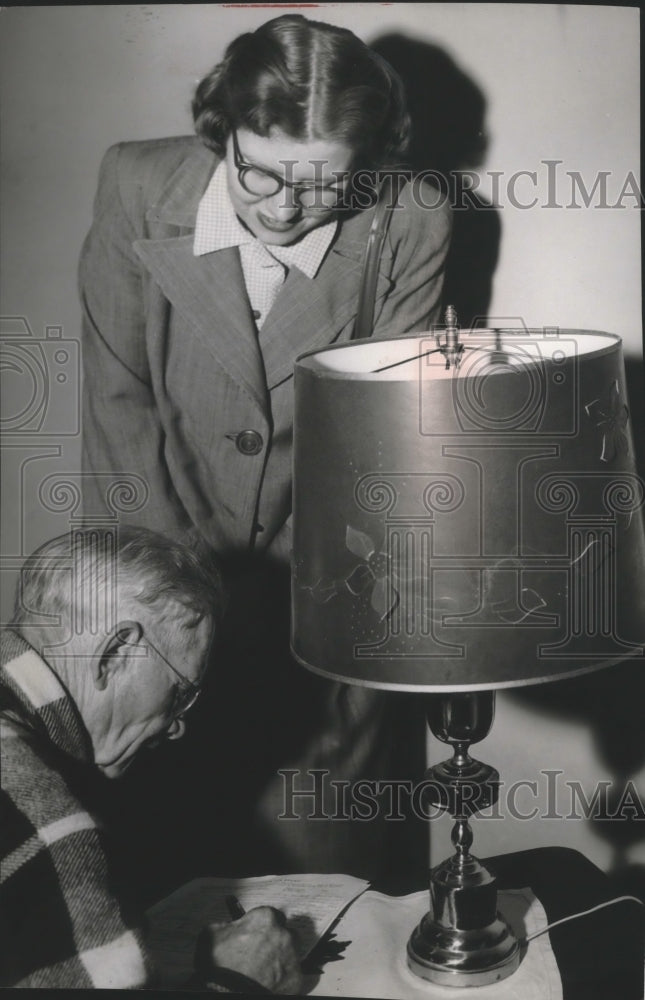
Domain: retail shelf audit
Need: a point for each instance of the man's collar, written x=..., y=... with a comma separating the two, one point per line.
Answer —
x=218, y=228
x=42, y=701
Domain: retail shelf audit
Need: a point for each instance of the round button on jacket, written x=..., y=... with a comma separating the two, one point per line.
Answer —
x=249, y=442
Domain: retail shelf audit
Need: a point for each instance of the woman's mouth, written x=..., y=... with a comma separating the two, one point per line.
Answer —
x=275, y=225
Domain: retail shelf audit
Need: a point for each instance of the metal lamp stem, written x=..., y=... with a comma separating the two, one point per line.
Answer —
x=463, y=940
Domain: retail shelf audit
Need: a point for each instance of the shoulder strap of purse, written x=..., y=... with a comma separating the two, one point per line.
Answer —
x=373, y=249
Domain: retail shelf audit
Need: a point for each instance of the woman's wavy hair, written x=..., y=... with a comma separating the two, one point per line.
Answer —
x=312, y=81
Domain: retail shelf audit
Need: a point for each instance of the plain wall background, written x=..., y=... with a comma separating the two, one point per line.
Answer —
x=561, y=82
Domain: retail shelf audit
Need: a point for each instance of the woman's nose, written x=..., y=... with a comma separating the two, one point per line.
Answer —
x=176, y=729
x=282, y=206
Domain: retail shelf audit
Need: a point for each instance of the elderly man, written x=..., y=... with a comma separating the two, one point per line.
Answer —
x=112, y=633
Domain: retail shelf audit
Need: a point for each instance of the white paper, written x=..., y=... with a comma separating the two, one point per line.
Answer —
x=375, y=965
x=311, y=904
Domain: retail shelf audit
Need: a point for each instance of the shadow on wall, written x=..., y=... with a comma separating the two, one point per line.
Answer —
x=612, y=703
x=448, y=136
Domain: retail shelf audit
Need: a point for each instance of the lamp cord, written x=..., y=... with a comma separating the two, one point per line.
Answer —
x=583, y=913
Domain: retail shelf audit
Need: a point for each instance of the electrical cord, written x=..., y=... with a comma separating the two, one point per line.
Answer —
x=583, y=913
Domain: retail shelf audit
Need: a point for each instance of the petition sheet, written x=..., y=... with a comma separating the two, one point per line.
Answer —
x=311, y=904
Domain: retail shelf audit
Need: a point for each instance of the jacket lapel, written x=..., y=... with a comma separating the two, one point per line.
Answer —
x=208, y=291
x=308, y=314
x=209, y=295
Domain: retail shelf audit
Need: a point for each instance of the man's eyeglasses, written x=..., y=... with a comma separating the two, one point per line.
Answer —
x=186, y=692
x=261, y=182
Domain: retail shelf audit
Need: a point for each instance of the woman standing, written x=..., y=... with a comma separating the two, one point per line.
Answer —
x=212, y=263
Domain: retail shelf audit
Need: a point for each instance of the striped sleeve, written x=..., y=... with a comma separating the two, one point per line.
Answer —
x=60, y=922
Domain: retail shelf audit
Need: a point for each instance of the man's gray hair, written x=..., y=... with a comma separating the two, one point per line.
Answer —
x=89, y=572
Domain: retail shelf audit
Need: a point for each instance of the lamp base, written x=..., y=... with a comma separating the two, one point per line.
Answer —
x=463, y=941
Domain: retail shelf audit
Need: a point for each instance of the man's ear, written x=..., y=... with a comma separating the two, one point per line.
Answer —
x=113, y=650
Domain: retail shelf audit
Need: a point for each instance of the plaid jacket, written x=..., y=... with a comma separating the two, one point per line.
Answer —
x=60, y=924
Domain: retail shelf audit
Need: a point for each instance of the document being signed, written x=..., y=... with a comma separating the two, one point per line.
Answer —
x=311, y=904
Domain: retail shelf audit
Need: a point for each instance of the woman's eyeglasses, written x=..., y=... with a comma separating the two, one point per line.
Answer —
x=261, y=182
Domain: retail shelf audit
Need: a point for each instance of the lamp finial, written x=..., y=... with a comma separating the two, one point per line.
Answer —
x=452, y=348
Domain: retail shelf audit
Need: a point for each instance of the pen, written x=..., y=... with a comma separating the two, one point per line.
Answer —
x=235, y=908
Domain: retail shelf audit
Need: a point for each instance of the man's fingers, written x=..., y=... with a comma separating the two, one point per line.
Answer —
x=266, y=916
x=259, y=945
x=279, y=916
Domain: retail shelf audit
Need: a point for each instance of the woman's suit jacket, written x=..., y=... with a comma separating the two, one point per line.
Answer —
x=174, y=373
x=172, y=365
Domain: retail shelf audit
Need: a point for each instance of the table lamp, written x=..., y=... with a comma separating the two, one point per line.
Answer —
x=467, y=517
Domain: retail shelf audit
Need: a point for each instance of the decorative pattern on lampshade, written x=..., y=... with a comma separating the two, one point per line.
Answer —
x=466, y=528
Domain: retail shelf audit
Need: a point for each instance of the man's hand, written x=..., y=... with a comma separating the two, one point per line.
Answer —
x=258, y=945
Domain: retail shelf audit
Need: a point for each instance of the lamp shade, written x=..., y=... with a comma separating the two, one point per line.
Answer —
x=469, y=527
